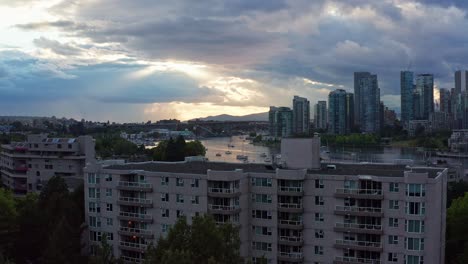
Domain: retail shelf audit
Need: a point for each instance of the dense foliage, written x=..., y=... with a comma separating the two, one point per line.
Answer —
x=45, y=228
x=201, y=242
x=350, y=140
x=457, y=231
x=177, y=150
x=112, y=145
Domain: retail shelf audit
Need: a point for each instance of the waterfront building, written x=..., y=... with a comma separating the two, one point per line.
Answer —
x=366, y=102
x=301, y=115
x=320, y=115
x=458, y=141
x=27, y=166
x=421, y=125
x=440, y=121
x=406, y=91
x=339, y=112
x=425, y=88
x=280, y=121
x=297, y=211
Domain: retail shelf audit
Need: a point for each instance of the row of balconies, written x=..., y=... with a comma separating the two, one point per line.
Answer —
x=135, y=186
x=375, y=194
x=127, y=216
x=358, y=245
x=352, y=260
x=223, y=209
x=139, y=247
x=295, y=257
x=358, y=228
x=358, y=211
x=134, y=201
x=135, y=232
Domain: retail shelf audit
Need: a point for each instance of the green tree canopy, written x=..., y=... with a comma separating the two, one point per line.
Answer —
x=201, y=242
x=457, y=231
x=177, y=150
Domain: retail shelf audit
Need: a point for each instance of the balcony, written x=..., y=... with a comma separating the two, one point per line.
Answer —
x=135, y=217
x=223, y=192
x=290, y=224
x=291, y=256
x=290, y=207
x=133, y=201
x=358, y=245
x=291, y=191
x=374, y=194
x=223, y=209
x=351, y=260
x=291, y=240
x=358, y=211
x=133, y=246
x=358, y=228
x=21, y=168
x=135, y=232
x=135, y=186
x=130, y=259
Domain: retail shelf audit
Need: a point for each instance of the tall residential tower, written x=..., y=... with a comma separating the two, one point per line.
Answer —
x=366, y=102
x=320, y=115
x=301, y=115
x=406, y=86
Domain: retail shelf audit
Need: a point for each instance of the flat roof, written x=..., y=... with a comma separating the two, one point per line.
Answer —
x=199, y=167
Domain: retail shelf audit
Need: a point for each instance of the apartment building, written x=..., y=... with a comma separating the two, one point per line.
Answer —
x=299, y=212
x=27, y=166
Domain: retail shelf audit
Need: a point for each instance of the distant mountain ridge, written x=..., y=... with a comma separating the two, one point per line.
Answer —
x=225, y=117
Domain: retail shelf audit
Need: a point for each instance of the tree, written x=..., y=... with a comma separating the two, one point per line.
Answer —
x=8, y=214
x=201, y=242
x=170, y=150
x=457, y=231
x=104, y=254
x=195, y=148
x=455, y=190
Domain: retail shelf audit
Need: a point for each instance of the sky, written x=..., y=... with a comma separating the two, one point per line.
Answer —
x=134, y=61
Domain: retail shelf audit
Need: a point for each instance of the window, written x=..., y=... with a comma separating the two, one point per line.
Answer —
x=94, y=236
x=110, y=221
x=165, y=213
x=262, y=230
x=92, y=178
x=179, y=198
x=414, y=243
x=261, y=214
x=164, y=181
x=164, y=197
x=319, y=200
x=94, y=221
x=180, y=182
x=108, y=177
x=318, y=250
x=319, y=217
x=165, y=228
x=194, y=183
x=261, y=182
x=261, y=198
x=109, y=192
x=414, y=226
x=179, y=213
x=393, y=204
x=262, y=246
x=319, y=184
x=92, y=207
x=110, y=236
x=109, y=207
x=414, y=259
x=93, y=193
x=49, y=167
x=415, y=208
x=415, y=190
x=392, y=257
x=393, y=222
x=394, y=187
x=393, y=240
x=195, y=200
x=318, y=233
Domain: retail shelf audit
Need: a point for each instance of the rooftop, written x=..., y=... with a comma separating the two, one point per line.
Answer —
x=197, y=167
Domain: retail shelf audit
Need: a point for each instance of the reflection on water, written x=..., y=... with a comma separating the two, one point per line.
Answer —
x=241, y=147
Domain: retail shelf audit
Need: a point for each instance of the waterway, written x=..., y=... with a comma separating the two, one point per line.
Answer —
x=384, y=154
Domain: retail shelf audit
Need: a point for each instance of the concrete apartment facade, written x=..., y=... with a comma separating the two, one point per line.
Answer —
x=304, y=212
x=27, y=166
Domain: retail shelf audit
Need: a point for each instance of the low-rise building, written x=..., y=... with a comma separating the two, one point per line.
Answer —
x=458, y=141
x=299, y=212
x=27, y=166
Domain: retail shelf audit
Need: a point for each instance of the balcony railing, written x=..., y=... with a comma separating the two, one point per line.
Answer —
x=290, y=205
x=133, y=245
x=359, y=191
x=223, y=207
x=135, y=184
x=223, y=190
x=136, y=215
x=130, y=259
x=291, y=238
x=135, y=230
x=136, y=200
x=358, y=209
x=290, y=222
x=358, y=243
x=290, y=189
x=356, y=260
x=291, y=255
x=359, y=226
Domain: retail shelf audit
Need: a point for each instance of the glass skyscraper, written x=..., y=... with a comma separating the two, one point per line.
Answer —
x=406, y=85
x=425, y=88
x=301, y=115
x=366, y=102
x=339, y=112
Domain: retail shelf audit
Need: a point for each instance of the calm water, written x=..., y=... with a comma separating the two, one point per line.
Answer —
x=377, y=154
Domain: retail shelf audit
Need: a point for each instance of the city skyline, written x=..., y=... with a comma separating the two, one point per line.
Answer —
x=149, y=61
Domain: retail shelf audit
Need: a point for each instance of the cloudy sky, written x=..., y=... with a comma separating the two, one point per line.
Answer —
x=140, y=60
